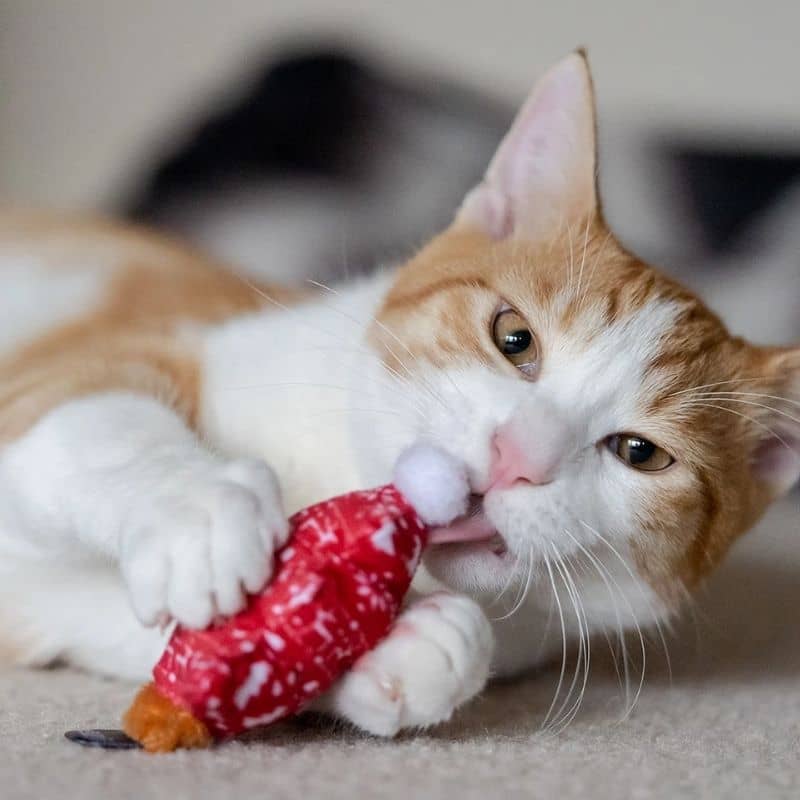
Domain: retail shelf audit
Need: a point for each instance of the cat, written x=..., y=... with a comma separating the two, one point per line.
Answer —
x=160, y=416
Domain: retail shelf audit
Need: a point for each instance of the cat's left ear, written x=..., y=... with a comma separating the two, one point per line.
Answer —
x=776, y=456
x=542, y=177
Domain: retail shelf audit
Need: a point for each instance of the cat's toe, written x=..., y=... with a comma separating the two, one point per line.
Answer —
x=193, y=555
x=435, y=659
x=260, y=479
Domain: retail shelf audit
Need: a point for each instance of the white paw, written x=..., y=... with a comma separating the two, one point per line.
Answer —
x=435, y=659
x=192, y=552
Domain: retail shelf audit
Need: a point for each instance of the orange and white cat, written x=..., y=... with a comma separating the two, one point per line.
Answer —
x=617, y=438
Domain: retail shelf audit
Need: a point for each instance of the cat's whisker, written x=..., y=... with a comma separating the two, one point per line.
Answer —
x=774, y=410
x=525, y=587
x=753, y=420
x=389, y=332
x=264, y=385
x=293, y=312
x=347, y=410
x=597, y=260
x=546, y=630
x=562, y=674
x=570, y=282
x=511, y=577
x=561, y=569
x=557, y=563
x=355, y=346
x=571, y=257
x=634, y=616
x=399, y=437
x=333, y=336
x=605, y=576
x=722, y=395
x=585, y=640
x=580, y=290
x=612, y=646
x=757, y=379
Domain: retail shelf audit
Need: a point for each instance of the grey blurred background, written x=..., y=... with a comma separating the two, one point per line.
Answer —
x=317, y=137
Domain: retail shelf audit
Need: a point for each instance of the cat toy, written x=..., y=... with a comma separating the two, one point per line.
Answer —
x=338, y=585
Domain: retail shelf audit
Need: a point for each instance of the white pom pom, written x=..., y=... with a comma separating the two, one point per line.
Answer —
x=434, y=482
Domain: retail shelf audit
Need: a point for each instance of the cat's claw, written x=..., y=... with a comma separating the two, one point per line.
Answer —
x=192, y=553
x=435, y=659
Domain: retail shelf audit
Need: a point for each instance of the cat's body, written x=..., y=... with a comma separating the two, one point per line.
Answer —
x=142, y=386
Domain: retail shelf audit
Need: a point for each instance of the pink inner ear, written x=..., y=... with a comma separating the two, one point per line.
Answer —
x=777, y=461
x=492, y=209
x=542, y=175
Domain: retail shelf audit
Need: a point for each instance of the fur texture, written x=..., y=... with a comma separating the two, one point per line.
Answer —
x=147, y=388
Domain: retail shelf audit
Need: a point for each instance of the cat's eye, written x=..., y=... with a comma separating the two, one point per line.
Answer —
x=639, y=453
x=515, y=340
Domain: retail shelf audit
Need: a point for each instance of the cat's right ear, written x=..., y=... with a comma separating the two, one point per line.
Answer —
x=542, y=177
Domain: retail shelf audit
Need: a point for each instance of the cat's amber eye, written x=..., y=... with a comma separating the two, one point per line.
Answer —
x=639, y=453
x=515, y=340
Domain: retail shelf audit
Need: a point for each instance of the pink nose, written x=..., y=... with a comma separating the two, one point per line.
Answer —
x=511, y=464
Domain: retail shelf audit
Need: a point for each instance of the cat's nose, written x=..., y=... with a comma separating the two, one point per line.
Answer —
x=515, y=460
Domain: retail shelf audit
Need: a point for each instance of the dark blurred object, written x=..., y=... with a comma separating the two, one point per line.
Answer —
x=306, y=114
x=325, y=165
x=728, y=190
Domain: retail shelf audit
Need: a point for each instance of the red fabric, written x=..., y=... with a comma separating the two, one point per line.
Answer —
x=338, y=586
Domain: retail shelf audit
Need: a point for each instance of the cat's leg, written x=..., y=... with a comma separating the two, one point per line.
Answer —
x=78, y=614
x=113, y=491
x=435, y=659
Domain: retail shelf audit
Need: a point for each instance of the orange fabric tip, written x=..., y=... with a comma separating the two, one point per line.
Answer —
x=160, y=726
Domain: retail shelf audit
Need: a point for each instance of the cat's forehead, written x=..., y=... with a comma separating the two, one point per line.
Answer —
x=601, y=316
x=585, y=291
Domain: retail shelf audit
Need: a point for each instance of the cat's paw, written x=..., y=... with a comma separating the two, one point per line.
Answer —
x=192, y=552
x=435, y=659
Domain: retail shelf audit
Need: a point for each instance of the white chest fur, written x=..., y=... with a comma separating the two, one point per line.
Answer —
x=282, y=385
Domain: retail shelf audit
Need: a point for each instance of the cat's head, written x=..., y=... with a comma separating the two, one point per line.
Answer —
x=590, y=395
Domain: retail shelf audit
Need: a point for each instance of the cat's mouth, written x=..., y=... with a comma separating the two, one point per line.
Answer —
x=472, y=528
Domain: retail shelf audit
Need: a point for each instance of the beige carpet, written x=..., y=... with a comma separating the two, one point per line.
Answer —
x=727, y=725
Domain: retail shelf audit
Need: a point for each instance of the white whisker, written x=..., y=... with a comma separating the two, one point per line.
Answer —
x=580, y=291
x=597, y=260
x=560, y=684
x=753, y=420
x=393, y=335
x=603, y=572
x=750, y=403
x=723, y=395
x=511, y=576
x=561, y=568
x=638, y=628
x=585, y=647
x=525, y=588
x=757, y=379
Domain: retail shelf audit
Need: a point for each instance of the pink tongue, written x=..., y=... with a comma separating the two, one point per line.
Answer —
x=470, y=529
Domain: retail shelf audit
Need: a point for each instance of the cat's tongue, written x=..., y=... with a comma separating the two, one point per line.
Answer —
x=466, y=529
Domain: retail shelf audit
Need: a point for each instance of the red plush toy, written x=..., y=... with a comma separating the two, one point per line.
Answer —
x=338, y=585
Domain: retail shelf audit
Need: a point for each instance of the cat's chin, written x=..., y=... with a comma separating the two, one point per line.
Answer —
x=471, y=566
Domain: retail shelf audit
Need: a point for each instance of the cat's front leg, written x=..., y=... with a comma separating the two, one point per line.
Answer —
x=195, y=547
x=120, y=477
x=434, y=660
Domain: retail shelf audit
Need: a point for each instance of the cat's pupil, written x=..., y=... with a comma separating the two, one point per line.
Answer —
x=517, y=342
x=640, y=450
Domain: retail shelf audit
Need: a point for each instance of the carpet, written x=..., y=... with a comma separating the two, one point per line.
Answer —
x=725, y=724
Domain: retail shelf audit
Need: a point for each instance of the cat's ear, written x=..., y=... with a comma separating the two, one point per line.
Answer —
x=542, y=177
x=776, y=454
